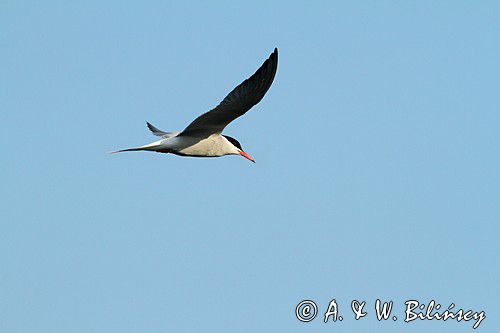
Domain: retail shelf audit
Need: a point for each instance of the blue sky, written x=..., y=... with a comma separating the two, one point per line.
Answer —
x=376, y=174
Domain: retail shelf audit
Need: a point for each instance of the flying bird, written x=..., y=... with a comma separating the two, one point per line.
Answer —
x=203, y=138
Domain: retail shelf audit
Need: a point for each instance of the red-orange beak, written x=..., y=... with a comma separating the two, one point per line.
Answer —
x=245, y=155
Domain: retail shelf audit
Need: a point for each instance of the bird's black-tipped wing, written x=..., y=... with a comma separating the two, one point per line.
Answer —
x=155, y=130
x=237, y=102
x=159, y=132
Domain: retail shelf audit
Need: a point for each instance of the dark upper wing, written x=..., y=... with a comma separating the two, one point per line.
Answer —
x=238, y=102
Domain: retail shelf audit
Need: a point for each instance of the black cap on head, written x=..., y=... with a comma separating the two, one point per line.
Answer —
x=233, y=141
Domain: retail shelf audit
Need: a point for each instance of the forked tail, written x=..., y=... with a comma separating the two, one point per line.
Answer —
x=154, y=146
x=128, y=149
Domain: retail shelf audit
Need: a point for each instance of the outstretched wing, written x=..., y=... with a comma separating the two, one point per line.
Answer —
x=161, y=133
x=237, y=102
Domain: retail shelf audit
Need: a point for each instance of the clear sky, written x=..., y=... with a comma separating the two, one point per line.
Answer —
x=377, y=152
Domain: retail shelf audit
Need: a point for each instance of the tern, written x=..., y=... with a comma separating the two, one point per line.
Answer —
x=203, y=138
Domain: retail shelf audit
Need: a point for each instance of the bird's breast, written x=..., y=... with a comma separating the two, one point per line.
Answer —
x=211, y=146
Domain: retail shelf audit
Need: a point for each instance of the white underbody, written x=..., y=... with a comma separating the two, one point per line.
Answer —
x=213, y=146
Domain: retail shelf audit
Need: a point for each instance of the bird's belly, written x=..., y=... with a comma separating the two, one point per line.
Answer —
x=190, y=146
